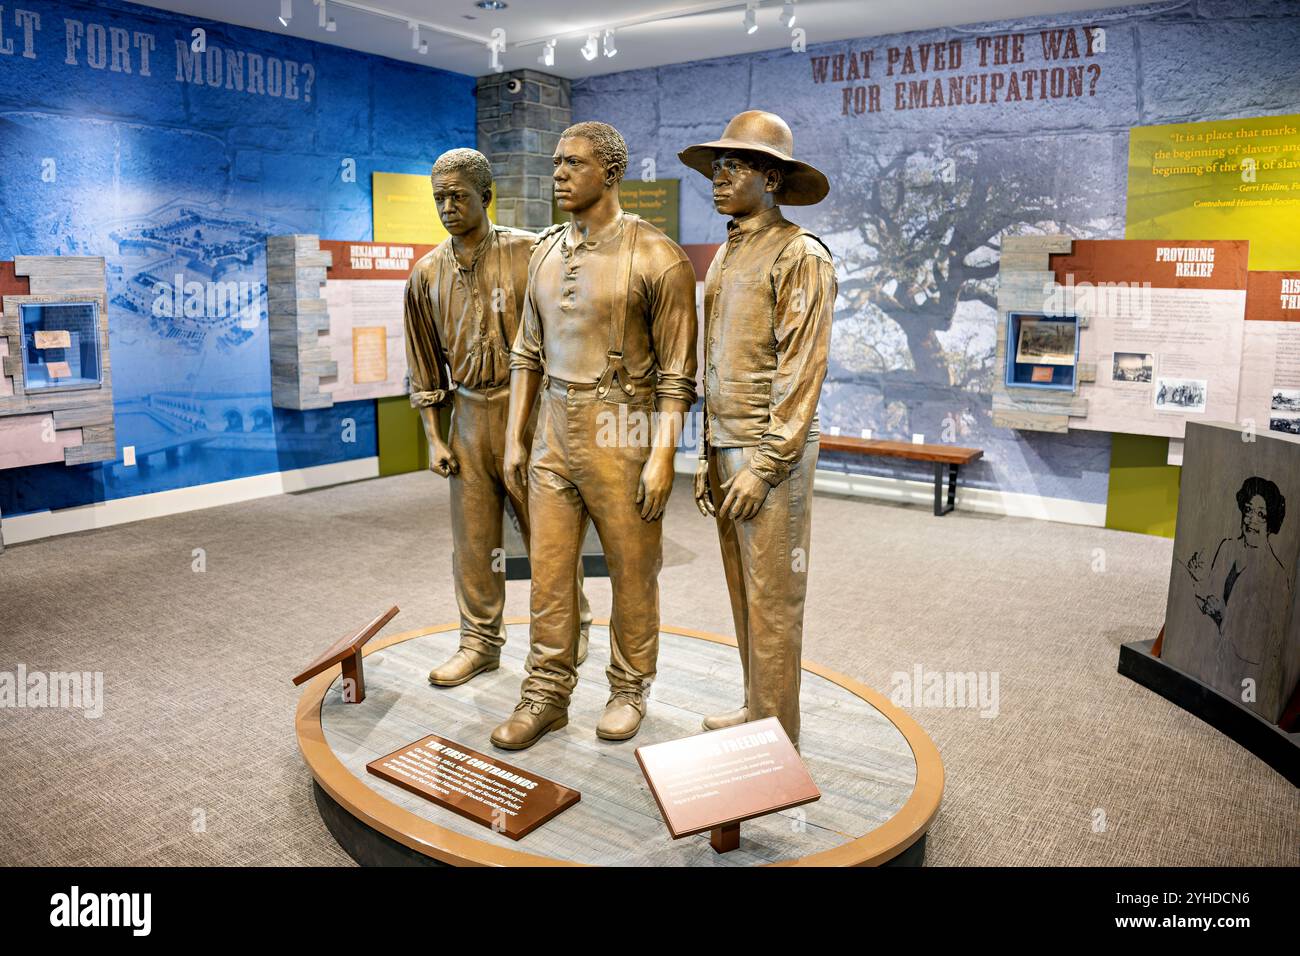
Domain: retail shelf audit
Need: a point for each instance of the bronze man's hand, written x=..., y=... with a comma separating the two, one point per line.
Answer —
x=441, y=460
x=745, y=494
x=703, y=497
x=655, y=486
x=516, y=468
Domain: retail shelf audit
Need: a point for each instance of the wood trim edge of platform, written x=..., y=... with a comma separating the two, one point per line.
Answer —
x=887, y=841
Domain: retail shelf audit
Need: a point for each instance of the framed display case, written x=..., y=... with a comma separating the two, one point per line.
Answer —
x=60, y=346
x=1042, y=351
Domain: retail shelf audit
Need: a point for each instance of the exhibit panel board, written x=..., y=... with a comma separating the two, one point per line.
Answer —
x=1235, y=178
x=1270, y=372
x=1222, y=179
x=1232, y=618
x=365, y=291
x=56, y=377
x=1163, y=334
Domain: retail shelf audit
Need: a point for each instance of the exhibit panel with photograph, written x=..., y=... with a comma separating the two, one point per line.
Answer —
x=1270, y=377
x=1165, y=325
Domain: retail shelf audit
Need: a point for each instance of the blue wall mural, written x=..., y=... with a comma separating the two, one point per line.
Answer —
x=120, y=140
x=937, y=145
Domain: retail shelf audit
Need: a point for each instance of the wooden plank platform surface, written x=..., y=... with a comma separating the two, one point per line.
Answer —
x=862, y=763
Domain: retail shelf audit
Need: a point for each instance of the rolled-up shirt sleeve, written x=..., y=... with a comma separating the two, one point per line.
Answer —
x=425, y=360
x=526, y=352
x=805, y=287
x=673, y=329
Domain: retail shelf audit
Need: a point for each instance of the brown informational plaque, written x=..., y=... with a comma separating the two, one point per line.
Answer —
x=58, y=370
x=484, y=789
x=713, y=781
x=1042, y=373
x=347, y=651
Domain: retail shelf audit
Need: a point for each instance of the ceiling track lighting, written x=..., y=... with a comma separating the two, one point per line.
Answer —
x=751, y=17
x=787, y=14
x=608, y=43
x=592, y=47
x=548, y=53
x=323, y=19
x=286, y=12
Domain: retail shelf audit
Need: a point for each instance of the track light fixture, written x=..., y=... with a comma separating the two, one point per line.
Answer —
x=323, y=19
x=751, y=17
x=610, y=49
x=591, y=47
x=548, y=53
x=787, y=14
x=286, y=12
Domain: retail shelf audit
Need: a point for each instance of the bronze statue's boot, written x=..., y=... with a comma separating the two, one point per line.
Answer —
x=464, y=665
x=584, y=636
x=622, y=717
x=730, y=719
x=530, y=722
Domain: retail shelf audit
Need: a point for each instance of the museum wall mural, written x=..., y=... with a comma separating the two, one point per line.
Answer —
x=938, y=145
x=174, y=155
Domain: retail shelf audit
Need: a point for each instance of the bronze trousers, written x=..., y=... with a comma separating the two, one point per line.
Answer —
x=478, y=495
x=766, y=564
x=581, y=469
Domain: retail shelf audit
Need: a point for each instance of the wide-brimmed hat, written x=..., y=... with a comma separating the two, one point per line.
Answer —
x=758, y=131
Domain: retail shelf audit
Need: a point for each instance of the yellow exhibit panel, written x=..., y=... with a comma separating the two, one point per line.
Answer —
x=1227, y=179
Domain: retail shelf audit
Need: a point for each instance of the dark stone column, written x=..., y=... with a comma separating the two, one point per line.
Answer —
x=517, y=131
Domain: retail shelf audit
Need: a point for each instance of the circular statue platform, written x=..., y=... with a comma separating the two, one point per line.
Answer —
x=880, y=776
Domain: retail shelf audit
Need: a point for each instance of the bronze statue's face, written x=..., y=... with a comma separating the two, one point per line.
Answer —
x=738, y=188
x=460, y=208
x=580, y=180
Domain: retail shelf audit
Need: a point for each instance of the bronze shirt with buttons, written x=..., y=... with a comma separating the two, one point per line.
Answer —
x=769, y=298
x=582, y=281
x=465, y=318
x=462, y=319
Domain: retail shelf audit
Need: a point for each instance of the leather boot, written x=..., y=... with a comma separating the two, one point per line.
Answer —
x=730, y=719
x=464, y=665
x=584, y=636
x=622, y=717
x=530, y=722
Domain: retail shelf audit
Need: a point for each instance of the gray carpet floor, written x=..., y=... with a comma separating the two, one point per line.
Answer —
x=194, y=760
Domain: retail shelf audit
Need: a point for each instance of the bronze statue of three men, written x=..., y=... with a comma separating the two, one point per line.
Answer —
x=595, y=321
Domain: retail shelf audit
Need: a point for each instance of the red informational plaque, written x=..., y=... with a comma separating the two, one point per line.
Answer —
x=714, y=781
x=478, y=787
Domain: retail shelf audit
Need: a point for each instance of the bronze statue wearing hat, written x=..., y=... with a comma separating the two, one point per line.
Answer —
x=769, y=298
x=462, y=310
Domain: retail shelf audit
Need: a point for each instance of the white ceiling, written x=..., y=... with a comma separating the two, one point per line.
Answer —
x=679, y=31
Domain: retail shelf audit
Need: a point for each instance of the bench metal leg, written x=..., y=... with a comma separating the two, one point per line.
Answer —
x=940, y=508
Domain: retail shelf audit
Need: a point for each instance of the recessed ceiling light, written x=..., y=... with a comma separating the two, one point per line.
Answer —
x=491, y=4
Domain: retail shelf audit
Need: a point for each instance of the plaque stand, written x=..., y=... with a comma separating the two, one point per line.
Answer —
x=354, y=673
x=725, y=838
x=346, y=652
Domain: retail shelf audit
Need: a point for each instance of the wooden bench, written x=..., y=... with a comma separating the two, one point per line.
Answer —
x=951, y=457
